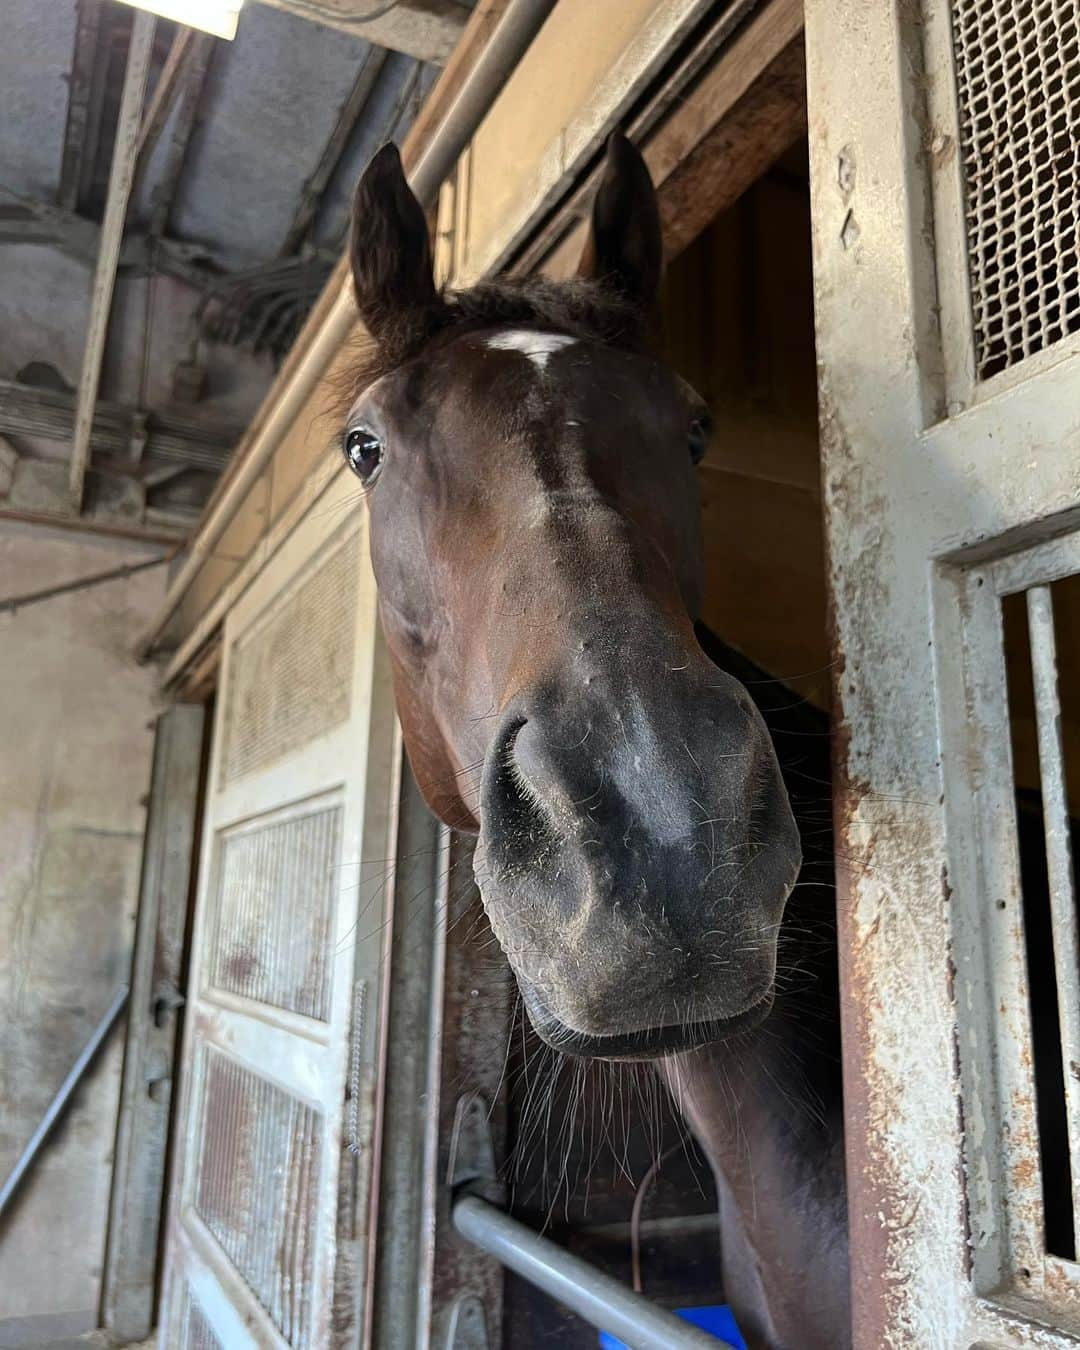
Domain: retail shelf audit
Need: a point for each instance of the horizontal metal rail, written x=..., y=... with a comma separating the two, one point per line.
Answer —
x=63, y=1096
x=598, y=1298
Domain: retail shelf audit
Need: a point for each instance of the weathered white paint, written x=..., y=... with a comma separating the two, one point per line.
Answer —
x=538, y=347
x=924, y=502
x=309, y=1058
x=75, y=748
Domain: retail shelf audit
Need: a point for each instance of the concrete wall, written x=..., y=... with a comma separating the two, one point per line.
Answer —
x=75, y=749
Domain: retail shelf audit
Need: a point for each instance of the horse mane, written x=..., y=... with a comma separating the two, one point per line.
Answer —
x=580, y=308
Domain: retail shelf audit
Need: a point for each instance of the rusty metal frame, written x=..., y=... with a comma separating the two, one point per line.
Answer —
x=919, y=497
x=1009, y=1266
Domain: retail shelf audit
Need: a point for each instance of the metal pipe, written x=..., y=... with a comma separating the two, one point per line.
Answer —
x=63, y=1096
x=517, y=28
x=598, y=1298
x=121, y=176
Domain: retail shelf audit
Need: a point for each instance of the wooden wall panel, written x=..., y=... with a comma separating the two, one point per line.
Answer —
x=738, y=323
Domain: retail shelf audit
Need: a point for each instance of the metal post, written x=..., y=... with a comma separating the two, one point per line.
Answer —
x=598, y=1298
x=63, y=1096
x=121, y=175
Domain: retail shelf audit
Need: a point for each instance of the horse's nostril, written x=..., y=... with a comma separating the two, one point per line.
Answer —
x=516, y=822
x=505, y=747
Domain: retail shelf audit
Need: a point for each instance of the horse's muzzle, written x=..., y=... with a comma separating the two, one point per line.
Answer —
x=636, y=852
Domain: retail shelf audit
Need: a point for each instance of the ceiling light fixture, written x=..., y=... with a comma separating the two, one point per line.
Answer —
x=212, y=16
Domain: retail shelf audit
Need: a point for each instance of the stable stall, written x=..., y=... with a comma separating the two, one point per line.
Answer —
x=891, y=504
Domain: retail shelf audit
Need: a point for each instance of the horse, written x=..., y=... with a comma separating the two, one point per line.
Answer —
x=535, y=532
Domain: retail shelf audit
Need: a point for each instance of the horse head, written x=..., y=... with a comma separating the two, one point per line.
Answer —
x=536, y=538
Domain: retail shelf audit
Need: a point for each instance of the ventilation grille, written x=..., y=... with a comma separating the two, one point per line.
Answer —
x=257, y=1189
x=195, y=1331
x=275, y=898
x=291, y=677
x=1018, y=84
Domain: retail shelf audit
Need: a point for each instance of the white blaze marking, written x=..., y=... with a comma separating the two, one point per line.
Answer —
x=538, y=347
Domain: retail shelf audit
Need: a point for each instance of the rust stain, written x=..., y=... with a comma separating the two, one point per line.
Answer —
x=884, y=1207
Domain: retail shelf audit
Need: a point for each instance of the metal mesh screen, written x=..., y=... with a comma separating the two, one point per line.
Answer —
x=1018, y=85
x=275, y=901
x=291, y=675
x=256, y=1188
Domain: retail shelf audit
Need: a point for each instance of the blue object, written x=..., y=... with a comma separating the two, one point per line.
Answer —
x=717, y=1320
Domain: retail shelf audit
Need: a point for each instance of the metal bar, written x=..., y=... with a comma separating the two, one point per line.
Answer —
x=63, y=1096
x=351, y=111
x=13, y=603
x=1058, y=829
x=81, y=79
x=191, y=85
x=399, y=1251
x=112, y=230
x=593, y=1295
x=519, y=25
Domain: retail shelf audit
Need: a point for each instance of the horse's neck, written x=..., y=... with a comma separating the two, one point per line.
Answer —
x=767, y=1114
x=767, y=1111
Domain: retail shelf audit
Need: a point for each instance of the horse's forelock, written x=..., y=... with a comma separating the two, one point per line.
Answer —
x=579, y=308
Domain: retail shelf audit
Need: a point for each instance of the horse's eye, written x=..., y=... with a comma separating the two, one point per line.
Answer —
x=698, y=437
x=364, y=451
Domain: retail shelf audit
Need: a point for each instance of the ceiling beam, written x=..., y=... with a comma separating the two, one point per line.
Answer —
x=189, y=92
x=154, y=532
x=112, y=228
x=50, y=415
x=426, y=29
x=351, y=112
x=80, y=84
x=168, y=86
x=30, y=221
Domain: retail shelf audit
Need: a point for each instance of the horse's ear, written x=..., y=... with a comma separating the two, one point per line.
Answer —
x=625, y=248
x=390, y=252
